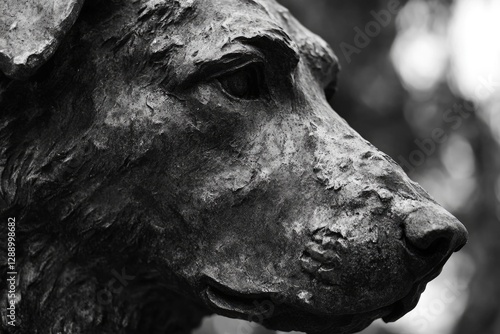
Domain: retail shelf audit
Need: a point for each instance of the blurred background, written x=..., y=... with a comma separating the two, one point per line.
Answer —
x=420, y=79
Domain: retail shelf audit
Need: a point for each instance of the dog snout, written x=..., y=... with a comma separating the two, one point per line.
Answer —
x=433, y=232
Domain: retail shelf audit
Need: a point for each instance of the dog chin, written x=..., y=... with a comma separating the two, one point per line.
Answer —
x=287, y=318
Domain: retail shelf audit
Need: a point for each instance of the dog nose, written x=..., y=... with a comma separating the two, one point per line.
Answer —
x=432, y=231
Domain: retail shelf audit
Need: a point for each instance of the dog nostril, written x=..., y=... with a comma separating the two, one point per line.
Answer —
x=427, y=247
x=432, y=231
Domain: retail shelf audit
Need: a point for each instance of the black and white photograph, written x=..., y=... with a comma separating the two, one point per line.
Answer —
x=249, y=166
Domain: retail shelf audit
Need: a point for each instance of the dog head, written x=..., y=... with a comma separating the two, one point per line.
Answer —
x=203, y=129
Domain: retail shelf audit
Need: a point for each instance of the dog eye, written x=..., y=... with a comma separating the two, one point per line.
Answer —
x=245, y=83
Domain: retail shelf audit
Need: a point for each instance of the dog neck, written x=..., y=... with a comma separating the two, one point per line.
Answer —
x=69, y=290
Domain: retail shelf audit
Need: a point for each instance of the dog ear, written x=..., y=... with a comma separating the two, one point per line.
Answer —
x=30, y=32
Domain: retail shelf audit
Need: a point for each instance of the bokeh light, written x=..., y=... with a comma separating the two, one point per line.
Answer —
x=475, y=48
x=442, y=304
x=458, y=157
x=419, y=52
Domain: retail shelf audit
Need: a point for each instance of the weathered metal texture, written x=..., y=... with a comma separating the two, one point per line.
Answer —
x=190, y=144
x=30, y=32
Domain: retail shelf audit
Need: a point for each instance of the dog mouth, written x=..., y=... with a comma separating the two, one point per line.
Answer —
x=251, y=306
x=405, y=304
x=233, y=303
x=265, y=310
